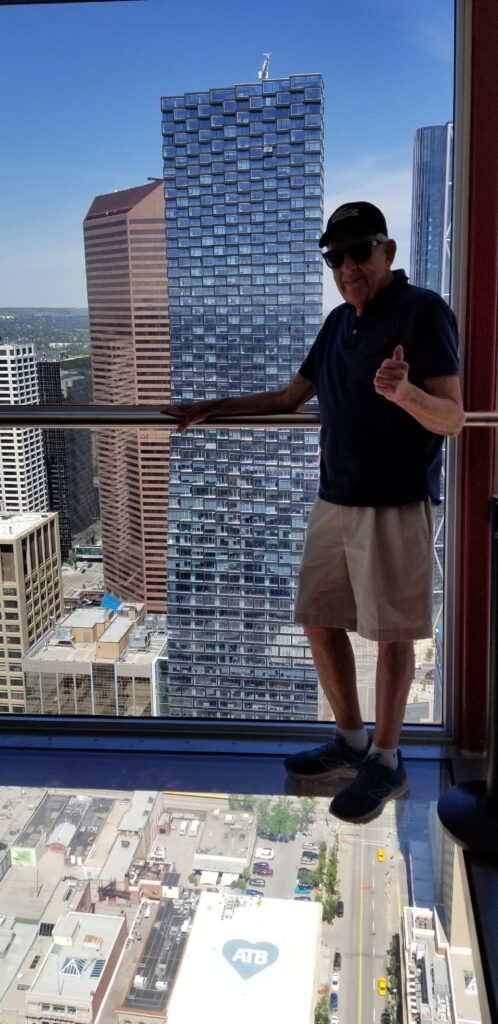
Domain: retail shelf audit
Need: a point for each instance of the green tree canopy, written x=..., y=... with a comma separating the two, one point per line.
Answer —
x=322, y=1014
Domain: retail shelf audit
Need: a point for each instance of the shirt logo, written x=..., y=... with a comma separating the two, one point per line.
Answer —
x=249, y=958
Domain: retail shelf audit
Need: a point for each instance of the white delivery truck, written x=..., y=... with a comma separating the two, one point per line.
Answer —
x=194, y=827
x=183, y=828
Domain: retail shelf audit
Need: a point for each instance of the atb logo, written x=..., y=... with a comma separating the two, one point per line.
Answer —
x=248, y=958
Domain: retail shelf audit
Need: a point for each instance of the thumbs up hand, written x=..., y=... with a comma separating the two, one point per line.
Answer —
x=391, y=379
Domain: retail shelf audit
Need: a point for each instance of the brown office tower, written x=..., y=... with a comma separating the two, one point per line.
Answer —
x=125, y=254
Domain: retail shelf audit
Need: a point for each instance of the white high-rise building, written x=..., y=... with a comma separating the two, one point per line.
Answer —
x=23, y=478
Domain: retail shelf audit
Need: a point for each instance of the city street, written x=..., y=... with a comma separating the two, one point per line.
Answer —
x=373, y=893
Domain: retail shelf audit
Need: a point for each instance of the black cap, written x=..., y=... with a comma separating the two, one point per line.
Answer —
x=354, y=220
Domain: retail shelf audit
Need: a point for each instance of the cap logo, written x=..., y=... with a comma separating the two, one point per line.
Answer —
x=341, y=214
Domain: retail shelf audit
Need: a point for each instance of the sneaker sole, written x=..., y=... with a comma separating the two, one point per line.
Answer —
x=365, y=818
x=331, y=773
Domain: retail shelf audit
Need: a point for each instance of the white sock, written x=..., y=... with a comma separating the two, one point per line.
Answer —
x=355, y=738
x=388, y=756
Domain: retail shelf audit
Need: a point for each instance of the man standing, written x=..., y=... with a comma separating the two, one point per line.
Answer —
x=384, y=368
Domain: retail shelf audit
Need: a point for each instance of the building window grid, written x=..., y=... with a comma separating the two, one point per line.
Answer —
x=283, y=304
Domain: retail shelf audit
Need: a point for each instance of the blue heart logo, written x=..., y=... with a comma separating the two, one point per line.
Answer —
x=249, y=958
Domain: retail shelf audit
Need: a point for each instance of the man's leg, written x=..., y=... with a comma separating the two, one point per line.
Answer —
x=395, y=673
x=377, y=782
x=335, y=666
x=326, y=609
x=343, y=755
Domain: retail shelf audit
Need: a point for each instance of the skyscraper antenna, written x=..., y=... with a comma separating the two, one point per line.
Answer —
x=265, y=70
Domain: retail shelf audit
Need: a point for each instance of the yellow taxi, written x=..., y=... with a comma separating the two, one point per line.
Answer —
x=382, y=987
x=380, y=854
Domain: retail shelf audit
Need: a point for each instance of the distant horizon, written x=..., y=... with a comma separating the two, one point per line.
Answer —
x=2, y=308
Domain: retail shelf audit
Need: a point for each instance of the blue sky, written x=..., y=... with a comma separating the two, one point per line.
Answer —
x=80, y=89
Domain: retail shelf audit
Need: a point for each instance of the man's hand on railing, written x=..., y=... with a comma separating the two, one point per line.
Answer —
x=190, y=413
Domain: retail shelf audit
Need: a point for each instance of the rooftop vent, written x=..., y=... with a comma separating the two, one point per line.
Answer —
x=140, y=640
x=64, y=635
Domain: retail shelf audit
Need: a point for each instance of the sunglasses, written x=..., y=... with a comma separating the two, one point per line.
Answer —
x=359, y=252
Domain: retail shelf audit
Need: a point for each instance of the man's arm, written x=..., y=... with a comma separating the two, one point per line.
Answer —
x=439, y=409
x=263, y=403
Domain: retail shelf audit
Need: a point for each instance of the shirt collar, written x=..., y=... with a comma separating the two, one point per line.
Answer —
x=399, y=280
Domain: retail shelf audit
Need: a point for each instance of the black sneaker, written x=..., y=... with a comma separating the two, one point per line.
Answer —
x=373, y=786
x=333, y=760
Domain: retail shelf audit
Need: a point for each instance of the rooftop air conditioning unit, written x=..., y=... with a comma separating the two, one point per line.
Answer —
x=140, y=641
x=64, y=635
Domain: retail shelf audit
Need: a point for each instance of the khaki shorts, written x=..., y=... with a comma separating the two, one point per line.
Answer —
x=368, y=570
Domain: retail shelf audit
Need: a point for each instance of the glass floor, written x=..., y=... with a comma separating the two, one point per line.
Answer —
x=246, y=905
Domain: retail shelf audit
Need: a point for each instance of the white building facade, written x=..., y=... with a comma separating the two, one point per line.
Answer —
x=23, y=478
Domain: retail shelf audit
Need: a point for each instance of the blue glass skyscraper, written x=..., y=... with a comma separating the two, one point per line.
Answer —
x=432, y=194
x=430, y=267
x=243, y=170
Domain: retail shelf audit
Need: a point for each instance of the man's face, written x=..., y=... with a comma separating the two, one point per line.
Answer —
x=359, y=283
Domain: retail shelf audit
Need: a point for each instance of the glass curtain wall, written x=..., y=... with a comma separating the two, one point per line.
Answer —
x=243, y=169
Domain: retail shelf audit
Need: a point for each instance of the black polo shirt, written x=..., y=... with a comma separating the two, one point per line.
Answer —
x=373, y=452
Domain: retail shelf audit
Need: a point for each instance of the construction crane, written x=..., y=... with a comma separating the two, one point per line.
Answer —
x=265, y=70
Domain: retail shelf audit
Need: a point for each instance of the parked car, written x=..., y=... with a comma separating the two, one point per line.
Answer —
x=309, y=856
x=334, y=984
x=265, y=852
x=380, y=854
x=257, y=881
x=253, y=892
x=337, y=961
x=334, y=1001
x=308, y=845
x=340, y=909
x=303, y=888
x=263, y=833
x=382, y=987
x=303, y=898
x=261, y=868
x=334, y=1019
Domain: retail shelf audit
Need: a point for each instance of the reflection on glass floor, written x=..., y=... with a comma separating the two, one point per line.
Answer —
x=158, y=905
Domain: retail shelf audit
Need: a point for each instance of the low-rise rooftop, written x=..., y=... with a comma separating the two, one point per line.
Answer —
x=260, y=953
x=82, y=945
x=16, y=524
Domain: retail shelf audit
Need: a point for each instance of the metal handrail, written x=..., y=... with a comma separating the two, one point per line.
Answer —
x=81, y=416
x=63, y=417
